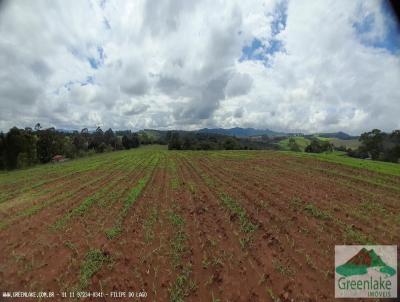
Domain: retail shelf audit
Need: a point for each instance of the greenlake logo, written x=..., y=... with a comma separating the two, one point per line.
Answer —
x=366, y=271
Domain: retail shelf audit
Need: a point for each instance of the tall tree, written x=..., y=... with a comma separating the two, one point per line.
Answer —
x=174, y=142
x=372, y=142
x=13, y=143
x=38, y=127
x=20, y=148
x=50, y=143
x=293, y=146
x=130, y=141
x=2, y=151
x=110, y=139
x=80, y=142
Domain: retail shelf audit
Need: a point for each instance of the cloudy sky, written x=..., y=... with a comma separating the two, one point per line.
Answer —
x=177, y=64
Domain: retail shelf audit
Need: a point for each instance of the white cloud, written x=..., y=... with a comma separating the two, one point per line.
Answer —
x=177, y=64
x=239, y=84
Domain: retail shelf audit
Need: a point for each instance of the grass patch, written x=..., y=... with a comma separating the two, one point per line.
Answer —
x=208, y=180
x=182, y=287
x=285, y=270
x=174, y=183
x=114, y=231
x=149, y=223
x=317, y=213
x=302, y=142
x=228, y=154
x=353, y=236
x=192, y=187
x=246, y=226
x=38, y=207
x=93, y=262
x=179, y=239
x=371, y=208
x=62, y=196
x=342, y=158
x=171, y=165
x=78, y=211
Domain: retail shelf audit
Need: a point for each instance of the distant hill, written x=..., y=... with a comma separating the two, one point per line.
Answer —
x=241, y=132
x=151, y=136
x=155, y=134
x=301, y=141
x=339, y=135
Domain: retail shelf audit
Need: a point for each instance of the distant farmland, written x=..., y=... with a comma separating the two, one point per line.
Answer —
x=195, y=226
x=303, y=142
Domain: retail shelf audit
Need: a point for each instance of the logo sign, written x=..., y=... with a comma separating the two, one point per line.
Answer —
x=366, y=271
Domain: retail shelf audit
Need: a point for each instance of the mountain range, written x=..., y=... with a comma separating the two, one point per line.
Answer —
x=247, y=132
x=241, y=132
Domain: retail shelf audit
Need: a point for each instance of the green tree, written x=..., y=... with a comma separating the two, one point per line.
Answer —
x=318, y=146
x=395, y=136
x=188, y=143
x=130, y=141
x=38, y=127
x=230, y=144
x=80, y=142
x=293, y=146
x=50, y=143
x=2, y=151
x=372, y=142
x=69, y=148
x=13, y=147
x=174, y=142
x=145, y=139
x=110, y=138
x=19, y=148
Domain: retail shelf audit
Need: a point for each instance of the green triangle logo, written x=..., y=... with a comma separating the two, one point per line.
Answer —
x=364, y=259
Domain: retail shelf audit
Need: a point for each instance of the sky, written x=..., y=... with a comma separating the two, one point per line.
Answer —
x=303, y=65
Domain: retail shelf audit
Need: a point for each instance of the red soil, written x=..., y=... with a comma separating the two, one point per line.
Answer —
x=289, y=257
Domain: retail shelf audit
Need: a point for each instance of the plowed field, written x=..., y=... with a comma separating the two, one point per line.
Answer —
x=190, y=226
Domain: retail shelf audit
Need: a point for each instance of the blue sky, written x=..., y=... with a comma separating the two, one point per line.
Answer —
x=96, y=62
x=258, y=50
x=390, y=40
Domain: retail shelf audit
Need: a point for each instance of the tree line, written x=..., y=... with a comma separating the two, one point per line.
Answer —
x=20, y=148
x=375, y=145
x=188, y=140
x=378, y=145
x=319, y=146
